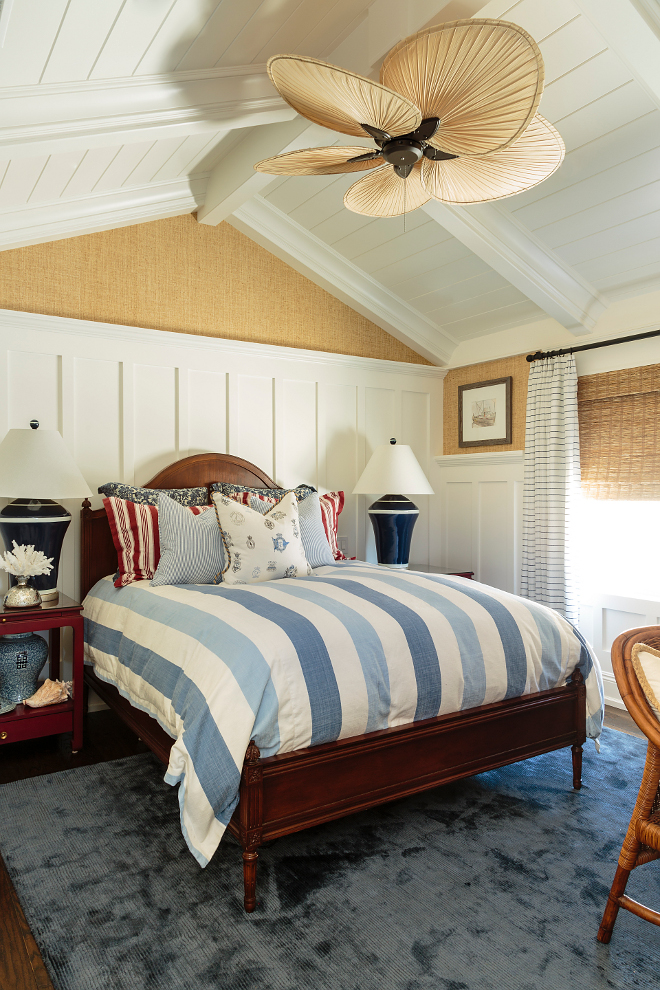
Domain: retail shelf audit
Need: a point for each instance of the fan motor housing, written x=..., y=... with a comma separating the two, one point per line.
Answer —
x=402, y=151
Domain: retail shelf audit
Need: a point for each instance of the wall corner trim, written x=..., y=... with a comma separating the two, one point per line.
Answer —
x=100, y=211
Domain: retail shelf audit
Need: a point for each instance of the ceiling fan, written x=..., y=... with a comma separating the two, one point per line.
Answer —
x=453, y=118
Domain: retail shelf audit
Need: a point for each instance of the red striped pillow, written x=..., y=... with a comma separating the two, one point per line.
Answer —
x=331, y=505
x=244, y=497
x=134, y=529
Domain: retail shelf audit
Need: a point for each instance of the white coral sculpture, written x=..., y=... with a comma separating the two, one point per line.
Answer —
x=25, y=560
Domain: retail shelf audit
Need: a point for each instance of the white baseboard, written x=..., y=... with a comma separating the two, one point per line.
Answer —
x=94, y=703
x=611, y=691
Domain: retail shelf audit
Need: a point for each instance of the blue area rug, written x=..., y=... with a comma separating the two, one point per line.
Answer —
x=492, y=883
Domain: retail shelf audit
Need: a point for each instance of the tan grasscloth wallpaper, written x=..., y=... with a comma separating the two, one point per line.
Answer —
x=187, y=277
x=518, y=367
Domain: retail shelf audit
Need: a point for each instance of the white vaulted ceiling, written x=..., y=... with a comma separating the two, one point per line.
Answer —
x=114, y=112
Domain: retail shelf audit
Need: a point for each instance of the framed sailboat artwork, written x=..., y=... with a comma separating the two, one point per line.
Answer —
x=484, y=413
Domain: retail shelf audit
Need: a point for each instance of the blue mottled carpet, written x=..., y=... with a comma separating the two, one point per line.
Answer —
x=493, y=883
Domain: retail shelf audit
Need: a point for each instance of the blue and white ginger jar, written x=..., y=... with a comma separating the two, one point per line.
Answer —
x=22, y=655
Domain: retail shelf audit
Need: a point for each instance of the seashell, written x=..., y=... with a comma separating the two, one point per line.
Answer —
x=50, y=693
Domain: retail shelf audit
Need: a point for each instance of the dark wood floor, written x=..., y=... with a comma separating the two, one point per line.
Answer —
x=618, y=718
x=106, y=738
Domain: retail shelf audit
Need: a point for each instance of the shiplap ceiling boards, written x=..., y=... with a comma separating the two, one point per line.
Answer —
x=115, y=112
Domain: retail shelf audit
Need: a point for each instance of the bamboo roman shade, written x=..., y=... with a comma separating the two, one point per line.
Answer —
x=619, y=416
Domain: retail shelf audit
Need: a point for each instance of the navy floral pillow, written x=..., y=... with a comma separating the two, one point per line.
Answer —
x=149, y=496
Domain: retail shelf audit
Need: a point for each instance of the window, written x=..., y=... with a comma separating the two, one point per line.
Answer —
x=619, y=548
x=619, y=512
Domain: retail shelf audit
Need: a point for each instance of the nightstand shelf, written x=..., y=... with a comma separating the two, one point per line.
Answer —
x=31, y=723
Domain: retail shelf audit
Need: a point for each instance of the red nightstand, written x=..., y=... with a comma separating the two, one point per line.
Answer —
x=29, y=723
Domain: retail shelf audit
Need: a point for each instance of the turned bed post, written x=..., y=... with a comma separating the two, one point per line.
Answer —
x=251, y=821
x=581, y=726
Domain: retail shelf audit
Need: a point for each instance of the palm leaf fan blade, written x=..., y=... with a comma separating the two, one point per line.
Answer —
x=340, y=100
x=383, y=193
x=532, y=159
x=482, y=78
x=317, y=161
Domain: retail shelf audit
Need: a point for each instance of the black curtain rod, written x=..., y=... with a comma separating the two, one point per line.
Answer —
x=589, y=347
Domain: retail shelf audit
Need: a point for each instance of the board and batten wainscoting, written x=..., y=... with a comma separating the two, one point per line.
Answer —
x=481, y=515
x=481, y=529
x=129, y=401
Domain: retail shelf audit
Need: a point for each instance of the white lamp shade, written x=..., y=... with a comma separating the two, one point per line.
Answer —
x=37, y=464
x=394, y=469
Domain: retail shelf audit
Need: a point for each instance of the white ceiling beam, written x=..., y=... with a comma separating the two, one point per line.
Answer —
x=513, y=251
x=233, y=180
x=630, y=35
x=650, y=11
x=312, y=257
x=56, y=117
x=102, y=211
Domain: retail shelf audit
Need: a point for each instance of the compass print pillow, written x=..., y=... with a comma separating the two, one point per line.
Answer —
x=261, y=547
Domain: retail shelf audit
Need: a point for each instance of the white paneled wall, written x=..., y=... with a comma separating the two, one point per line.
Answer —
x=481, y=515
x=481, y=527
x=130, y=401
x=603, y=618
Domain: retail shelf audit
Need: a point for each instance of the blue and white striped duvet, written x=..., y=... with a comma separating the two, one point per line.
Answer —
x=292, y=663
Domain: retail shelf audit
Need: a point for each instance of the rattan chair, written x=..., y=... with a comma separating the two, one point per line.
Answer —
x=642, y=842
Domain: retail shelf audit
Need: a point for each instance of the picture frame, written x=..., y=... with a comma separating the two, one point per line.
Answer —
x=484, y=413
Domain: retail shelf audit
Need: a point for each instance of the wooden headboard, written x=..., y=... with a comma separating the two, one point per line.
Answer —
x=98, y=554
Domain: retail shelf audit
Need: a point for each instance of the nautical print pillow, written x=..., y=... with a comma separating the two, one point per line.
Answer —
x=646, y=662
x=134, y=529
x=331, y=505
x=149, y=496
x=191, y=550
x=314, y=539
x=261, y=547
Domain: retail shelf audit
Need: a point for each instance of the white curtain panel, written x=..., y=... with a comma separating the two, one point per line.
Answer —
x=552, y=486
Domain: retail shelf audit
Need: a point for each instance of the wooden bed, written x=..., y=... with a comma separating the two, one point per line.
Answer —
x=286, y=793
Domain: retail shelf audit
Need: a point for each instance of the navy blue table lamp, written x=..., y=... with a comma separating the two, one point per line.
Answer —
x=393, y=468
x=36, y=466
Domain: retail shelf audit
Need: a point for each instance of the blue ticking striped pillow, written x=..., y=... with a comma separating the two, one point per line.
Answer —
x=312, y=533
x=191, y=550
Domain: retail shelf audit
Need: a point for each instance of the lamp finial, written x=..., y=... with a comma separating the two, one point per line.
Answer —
x=393, y=440
x=34, y=423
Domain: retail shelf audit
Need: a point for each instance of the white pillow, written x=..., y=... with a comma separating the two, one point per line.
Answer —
x=261, y=547
x=646, y=662
x=315, y=542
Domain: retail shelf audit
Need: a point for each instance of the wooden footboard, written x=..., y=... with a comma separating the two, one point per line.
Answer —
x=293, y=791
